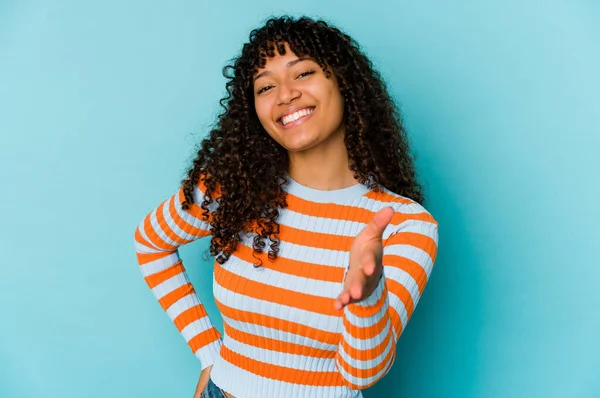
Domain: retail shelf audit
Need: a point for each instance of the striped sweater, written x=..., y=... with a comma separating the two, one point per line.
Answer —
x=282, y=336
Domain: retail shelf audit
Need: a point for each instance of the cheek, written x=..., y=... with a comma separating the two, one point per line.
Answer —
x=336, y=106
x=262, y=113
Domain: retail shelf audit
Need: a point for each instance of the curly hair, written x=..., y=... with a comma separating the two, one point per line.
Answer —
x=243, y=169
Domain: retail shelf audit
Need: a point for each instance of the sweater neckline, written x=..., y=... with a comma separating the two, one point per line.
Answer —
x=325, y=196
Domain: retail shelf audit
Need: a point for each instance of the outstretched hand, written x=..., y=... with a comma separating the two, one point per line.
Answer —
x=366, y=254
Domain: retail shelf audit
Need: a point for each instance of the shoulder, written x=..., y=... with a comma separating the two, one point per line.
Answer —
x=402, y=205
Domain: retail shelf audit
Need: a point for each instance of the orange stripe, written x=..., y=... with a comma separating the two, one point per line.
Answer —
x=161, y=276
x=413, y=268
x=364, y=373
x=367, y=332
x=282, y=373
x=151, y=232
x=386, y=197
x=396, y=321
x=289, y=266
x=144, y=258
x=403, y=294
x=368, y=354
x=387, y=369
x=140, y=239
x=195, y=208
x=315, y=239
x=164, y=225
x=202, y=339
x=190, y=315
x=364, y=312
x=281, y=324
x=340, y=212
x=194, y=211
x=273, y=294
x=329, y=210
x=420, y=241
x=276, y=345
x=399, y=217
x=175, y=295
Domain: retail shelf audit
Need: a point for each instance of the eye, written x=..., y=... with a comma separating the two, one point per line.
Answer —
x=305, y=73
x=262, y=90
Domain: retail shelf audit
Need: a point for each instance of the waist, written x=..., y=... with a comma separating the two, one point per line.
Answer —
x=244, y=377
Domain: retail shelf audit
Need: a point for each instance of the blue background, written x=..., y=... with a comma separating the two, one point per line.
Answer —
x=101, y=104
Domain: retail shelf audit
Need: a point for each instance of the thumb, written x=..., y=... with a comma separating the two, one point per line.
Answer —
x=380, y=221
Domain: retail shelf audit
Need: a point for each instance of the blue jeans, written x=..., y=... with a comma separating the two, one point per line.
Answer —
x=212, y=391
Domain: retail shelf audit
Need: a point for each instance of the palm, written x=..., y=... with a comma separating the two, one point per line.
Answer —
x=366, y=255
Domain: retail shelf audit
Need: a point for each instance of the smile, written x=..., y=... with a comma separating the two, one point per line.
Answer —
x=296, y=118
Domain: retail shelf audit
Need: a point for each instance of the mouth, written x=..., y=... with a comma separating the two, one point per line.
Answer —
x=296, y=118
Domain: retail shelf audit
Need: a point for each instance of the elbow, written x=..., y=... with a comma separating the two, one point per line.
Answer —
x=360, y=375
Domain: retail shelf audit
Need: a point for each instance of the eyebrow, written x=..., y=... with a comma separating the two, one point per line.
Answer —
x=289, y=65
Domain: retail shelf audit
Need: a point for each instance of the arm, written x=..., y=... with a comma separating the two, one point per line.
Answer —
x=156, y=241
x=372, y=327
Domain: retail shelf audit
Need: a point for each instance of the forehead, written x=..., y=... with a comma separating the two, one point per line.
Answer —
x=279, y=62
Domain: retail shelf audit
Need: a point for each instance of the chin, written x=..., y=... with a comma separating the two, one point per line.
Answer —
x=299, y=147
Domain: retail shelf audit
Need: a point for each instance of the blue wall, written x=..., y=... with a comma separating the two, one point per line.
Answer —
x=101, y=104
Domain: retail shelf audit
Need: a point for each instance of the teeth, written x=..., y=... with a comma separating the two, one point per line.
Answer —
x=295, y=116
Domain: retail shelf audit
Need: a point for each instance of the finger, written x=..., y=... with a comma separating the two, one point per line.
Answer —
x=379, y=222
x=342, y=300
x=356, y=291
x=368, y=265
x=345, y=297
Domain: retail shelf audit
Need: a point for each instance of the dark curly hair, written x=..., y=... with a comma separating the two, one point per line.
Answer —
x=244, y=169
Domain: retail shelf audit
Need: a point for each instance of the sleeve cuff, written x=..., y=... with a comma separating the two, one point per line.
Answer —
x=375, y=295
x=209, y=353
x=365, y=311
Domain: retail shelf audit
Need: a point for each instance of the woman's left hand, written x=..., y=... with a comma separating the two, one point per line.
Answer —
x=366, y=265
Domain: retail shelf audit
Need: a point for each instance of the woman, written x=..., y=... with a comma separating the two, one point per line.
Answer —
x=310, y=159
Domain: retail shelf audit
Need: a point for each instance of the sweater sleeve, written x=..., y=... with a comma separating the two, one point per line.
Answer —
x=372, y=327
x=157, y=239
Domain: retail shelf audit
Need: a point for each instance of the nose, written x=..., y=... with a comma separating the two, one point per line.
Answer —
x=287, y=93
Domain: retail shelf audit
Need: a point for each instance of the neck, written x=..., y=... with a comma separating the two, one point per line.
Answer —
x=323, y=167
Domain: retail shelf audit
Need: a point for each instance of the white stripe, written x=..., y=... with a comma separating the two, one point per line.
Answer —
x=292, y=251
x=276, y=334
x=158, y=229
x=398, y=305
x=371, y=363
x=199, y=198
x=376, y=205
x=413, y=253
x=362, y=344
x=416, y=226
x=321, y=225
x=365, y=322
x=183, y=304
x=293, y=361
x=349, y=228
x=195, y=328
x=169, y=285
x=142, y=231
x=139, y=246
x=361, y=381
x=240, y=383
x=160, y=264
x=293, y=283
x=189, y=219
x=229, y=298
x=406, y=280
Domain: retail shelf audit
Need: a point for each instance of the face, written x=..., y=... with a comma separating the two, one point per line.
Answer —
x=297, y=104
